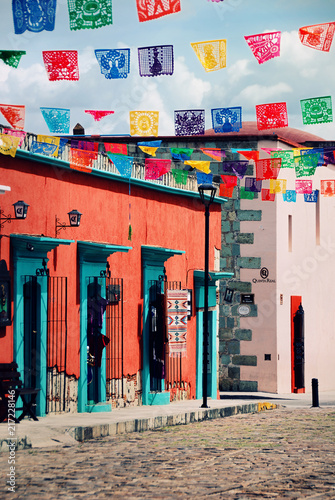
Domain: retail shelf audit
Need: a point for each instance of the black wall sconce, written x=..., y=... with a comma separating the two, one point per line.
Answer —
x=20, y=211
x=74, y=218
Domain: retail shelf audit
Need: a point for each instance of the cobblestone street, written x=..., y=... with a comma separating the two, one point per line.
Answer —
x=280, y=453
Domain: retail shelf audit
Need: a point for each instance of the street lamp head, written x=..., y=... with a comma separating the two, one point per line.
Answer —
x=20, y=209
x=208, y=189
x=74, y=217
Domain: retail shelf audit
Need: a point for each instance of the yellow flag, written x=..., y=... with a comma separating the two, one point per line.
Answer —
x=278, y=185
x=149, y=150
x=211, y=54
x=200, y=165
x=144, y=122
x=9, y=144
x=50, y=140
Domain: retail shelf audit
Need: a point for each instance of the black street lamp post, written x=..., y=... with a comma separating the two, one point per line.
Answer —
x=209, y=190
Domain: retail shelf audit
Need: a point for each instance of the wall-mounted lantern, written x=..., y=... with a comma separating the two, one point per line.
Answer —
x=74, y=219
x=20, y=211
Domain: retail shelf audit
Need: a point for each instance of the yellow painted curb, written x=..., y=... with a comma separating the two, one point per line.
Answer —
x=266, y=406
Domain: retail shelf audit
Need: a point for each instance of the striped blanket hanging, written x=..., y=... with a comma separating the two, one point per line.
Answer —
x=177, y=322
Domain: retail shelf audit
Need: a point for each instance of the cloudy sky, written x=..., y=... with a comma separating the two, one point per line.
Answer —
x=299, y=73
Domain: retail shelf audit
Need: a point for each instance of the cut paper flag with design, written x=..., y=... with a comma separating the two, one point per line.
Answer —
x=61, y=64
x=267, y=195
x=317, y=36
x=250, y=155
x=16, y=133
x=144, y=122
x=264, y=46
x=287, y=158
x=229, y=180
x=153, y=9
x=246, y=195
x=156, y=61
x=9, y=144
x=181, y=153
x=12, y=57
x=252, y=184
x=237, y=168
x=117, y=149
x=303, y=187
x=215, y=153
x=211, y=54
x=90, y=14
x=98, y=115
x=149, y=148
x=328, y=187
x=314, y=151
x=227, y=119
x=226, y=191
x=57, y=119
x=35, y=16
x=189, y=122
x=312, y=197
x=203, y=178
x=82, y=160
x=180, y=176
x=177, y=311
x=204, y=166
x=317, y=110
x=306, y=164
x=124, y=164
x=42, y=148
x=49, y=140
x=85, y=145
x=269, y=150
x=14, y=115
x=278, y=185
x=114, y=63
x=328, y=157
x=268, y=168
x=156, y=168
x=290, y=196
x=272, y=115
x=62, y=144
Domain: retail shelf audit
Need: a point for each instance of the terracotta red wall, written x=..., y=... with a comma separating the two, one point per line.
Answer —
x=157, y=219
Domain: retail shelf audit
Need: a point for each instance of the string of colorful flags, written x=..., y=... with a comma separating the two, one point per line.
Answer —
x=304, y=161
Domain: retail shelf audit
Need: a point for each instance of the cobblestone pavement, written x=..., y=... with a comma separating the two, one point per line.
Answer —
x=280, y=453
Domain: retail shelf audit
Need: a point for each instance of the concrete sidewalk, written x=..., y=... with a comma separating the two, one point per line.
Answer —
x=69, y=429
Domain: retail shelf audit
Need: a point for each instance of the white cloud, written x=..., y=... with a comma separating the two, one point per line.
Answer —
x=260, y=94
x=239, y=70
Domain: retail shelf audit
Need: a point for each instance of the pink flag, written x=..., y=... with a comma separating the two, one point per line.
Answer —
x=264, y=46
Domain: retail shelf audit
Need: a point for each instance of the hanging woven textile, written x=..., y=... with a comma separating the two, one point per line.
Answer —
x=117, y=149
x=268, y=168
x=181, y=153
x=215, y=153
x=246, y=195
x=287, y=158
x=9, y=144
x=211, y=54
x=177, y=311
x=290, y=196
x=303, y=187
x=180, y=176
x=144, y=122
x=153, y=9
x=312, y=197
x=227, y=119
x=61, y=64
x=98, y=115
x=42, y=148
x=267, y=195
x=16, y=133
x=189, y=122
x=114, y=63
x=12, y=57
x=14, y=115
x=317, y=110
x=82, y=160
x=264, y=46
x=252, y=184
x=328, y=187
x=35, y=16
x=90, y=14
x=203, y=178
x=154, y=169
x=204, y=166
x=272, y=115
x=156, y=61
x=317, y=36
x=50, y=140
x=305, y=165
x=57, y=119
x=124, y=164
x=278, y=185
x=237, y=168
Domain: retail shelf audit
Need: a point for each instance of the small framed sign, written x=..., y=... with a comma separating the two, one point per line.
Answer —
x=228, y=296
x=247, y=298
x=243, y=309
